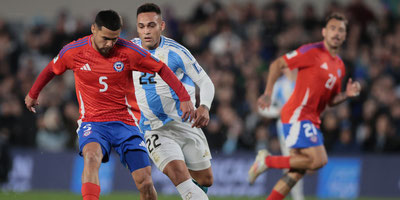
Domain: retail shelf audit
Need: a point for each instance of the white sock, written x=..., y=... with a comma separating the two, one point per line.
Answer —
x=190, y=191
x=297, y=191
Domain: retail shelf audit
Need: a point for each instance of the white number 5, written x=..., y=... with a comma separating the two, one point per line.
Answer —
x=103, y=83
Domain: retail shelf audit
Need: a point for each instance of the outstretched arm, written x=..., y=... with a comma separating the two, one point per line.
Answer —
x=352, y=90
x=275, y=71
x=44, y=77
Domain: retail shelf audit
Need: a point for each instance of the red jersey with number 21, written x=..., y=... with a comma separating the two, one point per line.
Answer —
x=318, y=81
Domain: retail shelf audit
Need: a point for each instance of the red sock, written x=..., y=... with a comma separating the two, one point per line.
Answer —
x=279, y=162
x=275, y=195
x=90, y=191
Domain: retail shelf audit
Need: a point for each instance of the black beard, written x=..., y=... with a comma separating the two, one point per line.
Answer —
x=102, y=51
x=105, y=53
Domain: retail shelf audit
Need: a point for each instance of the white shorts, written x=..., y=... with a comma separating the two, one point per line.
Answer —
x=178, y=141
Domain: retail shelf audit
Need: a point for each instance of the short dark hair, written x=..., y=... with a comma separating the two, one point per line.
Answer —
x=109, y=19
x=337, y=16
x=148, y=7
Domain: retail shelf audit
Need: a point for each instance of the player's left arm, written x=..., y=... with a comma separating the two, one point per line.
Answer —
x=197, y=74
x=207, y=91
x=352, y=90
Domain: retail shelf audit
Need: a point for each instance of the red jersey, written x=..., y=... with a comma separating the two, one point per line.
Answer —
x=104, y=85
x=318, y=81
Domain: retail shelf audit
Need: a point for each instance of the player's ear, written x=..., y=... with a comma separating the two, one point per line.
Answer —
x=162, y=25
x=324, y=31
x=94, y=28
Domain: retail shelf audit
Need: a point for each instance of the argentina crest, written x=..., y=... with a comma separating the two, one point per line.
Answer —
x=118, y=66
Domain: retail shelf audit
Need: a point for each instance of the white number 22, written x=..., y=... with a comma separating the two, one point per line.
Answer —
x=101, y=81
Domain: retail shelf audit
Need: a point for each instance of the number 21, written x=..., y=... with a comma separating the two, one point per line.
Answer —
x=330, y=82
x=309, y=130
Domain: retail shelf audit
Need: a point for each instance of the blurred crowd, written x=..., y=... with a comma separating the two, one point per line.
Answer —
x=234, y=43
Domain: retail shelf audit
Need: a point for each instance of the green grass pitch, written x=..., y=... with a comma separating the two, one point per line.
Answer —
x=54, y=195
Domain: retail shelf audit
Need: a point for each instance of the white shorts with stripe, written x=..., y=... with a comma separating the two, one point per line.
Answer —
x=178, y=141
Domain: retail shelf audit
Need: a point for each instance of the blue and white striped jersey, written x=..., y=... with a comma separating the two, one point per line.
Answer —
x=283, y=89
x=157, y=101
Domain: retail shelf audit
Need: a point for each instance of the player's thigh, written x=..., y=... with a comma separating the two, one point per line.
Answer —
x=318, y=155
x=162, y=147
x=91, y=137
x=129, y=143
x=194, y=146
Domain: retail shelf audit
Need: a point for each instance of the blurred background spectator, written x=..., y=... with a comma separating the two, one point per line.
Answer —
x=235, y=43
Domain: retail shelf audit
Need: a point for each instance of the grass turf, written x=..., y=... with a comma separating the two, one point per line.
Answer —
x=54, y=195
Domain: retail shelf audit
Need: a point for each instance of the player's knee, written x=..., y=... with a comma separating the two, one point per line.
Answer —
x=206, y=180
x=308, y=162
x=324, y=162
x=145, y=185
x=92, y=158
x=176, y=173
x=318, y=165
x=315, y=166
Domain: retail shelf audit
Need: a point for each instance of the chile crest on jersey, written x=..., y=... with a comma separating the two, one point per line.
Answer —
x=118, y=66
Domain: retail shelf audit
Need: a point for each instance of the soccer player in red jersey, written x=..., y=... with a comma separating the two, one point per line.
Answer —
x=102, y=64
x=318, y=84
